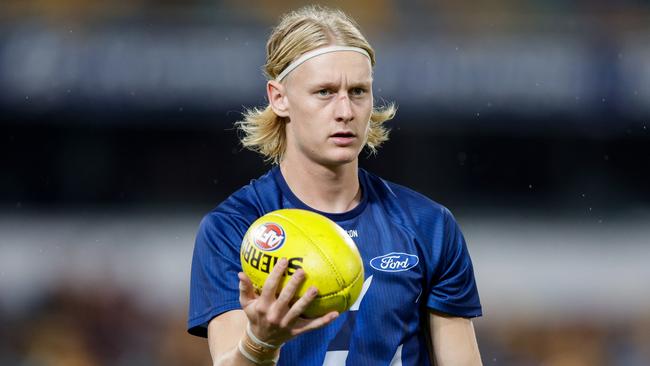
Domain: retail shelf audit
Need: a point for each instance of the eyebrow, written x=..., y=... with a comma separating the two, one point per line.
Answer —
x=333, y=85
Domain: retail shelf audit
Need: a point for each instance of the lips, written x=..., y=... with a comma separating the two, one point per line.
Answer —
x=343, y=138
x=343, y=134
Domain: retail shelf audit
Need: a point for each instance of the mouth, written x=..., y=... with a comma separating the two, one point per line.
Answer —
x=343, y=135
x=343, y=138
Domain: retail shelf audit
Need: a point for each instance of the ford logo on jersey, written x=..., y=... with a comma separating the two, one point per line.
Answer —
x=394, y=262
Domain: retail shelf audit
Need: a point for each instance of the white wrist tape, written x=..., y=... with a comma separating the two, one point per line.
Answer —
x=317, y=52
x=257, y=340
x=253, y=359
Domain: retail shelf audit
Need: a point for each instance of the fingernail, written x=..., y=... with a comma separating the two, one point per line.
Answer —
x=313, y=291
x=283, y=261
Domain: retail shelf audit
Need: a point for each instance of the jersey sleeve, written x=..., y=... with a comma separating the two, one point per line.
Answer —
x=453, y=288
x=214, y=286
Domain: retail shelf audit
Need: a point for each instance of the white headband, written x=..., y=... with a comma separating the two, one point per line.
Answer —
x=317, y=52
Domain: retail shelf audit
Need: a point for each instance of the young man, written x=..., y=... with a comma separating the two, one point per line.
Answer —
x=320, y=116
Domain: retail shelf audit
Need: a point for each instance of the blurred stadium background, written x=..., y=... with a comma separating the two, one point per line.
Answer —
x=530, y=120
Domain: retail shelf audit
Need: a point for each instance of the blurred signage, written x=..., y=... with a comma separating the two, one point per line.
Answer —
x=208, y=68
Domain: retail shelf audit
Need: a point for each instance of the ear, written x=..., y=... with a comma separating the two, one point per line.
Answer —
x=276, y=93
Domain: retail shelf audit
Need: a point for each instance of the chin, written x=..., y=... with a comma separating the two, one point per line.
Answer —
x=341, y=159
x=332, y=157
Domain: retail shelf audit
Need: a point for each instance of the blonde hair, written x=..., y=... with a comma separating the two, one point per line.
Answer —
x=301, y=31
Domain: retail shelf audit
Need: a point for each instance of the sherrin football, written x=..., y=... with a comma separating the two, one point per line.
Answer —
x=311, y=241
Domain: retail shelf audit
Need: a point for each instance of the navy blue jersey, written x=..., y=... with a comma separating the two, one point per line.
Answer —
x=414, y=255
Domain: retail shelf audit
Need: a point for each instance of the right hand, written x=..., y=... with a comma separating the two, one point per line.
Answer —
x=275, y=320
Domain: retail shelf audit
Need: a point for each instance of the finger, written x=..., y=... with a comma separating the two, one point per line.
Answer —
x=273, y=281
x=301, y=305
x=246, y=290
x=305, y=325
x=289, y=291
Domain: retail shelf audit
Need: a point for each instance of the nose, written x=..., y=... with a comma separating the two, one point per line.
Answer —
x=343, y=110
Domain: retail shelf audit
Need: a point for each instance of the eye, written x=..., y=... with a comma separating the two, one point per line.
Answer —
x=323, y=92
x=357, y=92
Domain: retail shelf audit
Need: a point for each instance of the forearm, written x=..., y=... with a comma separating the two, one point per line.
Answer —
x=249, y=350
x=234, y=357
x=226, y=350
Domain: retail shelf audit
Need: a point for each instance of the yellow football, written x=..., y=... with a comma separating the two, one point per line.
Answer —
x=310, y=241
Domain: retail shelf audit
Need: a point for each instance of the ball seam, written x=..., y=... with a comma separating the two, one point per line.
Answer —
x=354, y=280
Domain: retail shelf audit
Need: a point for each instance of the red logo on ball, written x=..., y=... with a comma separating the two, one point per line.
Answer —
x=269, y=236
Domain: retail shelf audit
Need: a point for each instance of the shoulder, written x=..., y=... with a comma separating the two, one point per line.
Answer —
x=405, y=203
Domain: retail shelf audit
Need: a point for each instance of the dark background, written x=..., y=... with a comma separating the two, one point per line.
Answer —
x=194, y=159
x=529, y=120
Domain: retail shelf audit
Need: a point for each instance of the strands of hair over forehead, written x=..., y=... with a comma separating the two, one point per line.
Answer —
x=309, y=28
x=298, y=32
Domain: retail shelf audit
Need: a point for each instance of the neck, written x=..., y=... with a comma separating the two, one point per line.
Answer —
x=328, y=189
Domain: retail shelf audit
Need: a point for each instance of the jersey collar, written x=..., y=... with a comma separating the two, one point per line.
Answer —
x=297, y=203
